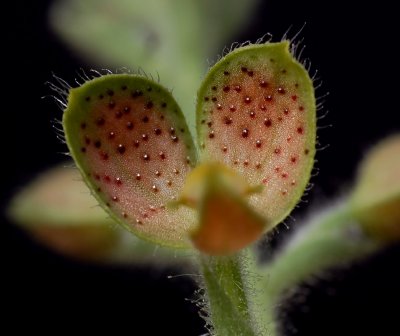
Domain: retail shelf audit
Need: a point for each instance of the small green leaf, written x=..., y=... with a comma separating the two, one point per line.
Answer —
x=128, y=137
x=375, y=202
x=256, y=114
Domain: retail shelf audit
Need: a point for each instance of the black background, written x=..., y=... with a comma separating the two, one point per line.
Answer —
x=353, y=47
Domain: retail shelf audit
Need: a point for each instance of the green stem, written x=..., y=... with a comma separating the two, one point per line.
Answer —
x=332, y=239
x=229, y=284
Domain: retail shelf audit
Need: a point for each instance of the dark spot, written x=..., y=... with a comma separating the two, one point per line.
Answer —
x=293, y=159
x=214, y=99
x=121, y=149
x=174, y=138
x=158, y=173
x=237, y=88
x=250, y=73
x=115, y=198
x=235, y=162
x=306, y=151
x=145, y=137
x=209, y=124
x=87, y=99
x=300, y=130
x=232, y=108
x=182, y=130
x=211, y=135
x=244, y=69
x=263, y=108
x=281, y=90
x=145, y=119
x=149, y=89
x=163, y=104
x=136, y=93
x=157, y=131
x=123, y=87
x=280, y=118
x=161, y=155
x=245, y=133
x=104, y=156
x=138, y=177
x=101, y=96
x=176, y=171
x=87, y=140
x=284, y=192
x=277, y=169
x=118, y=114
x=227, y=120
x=284, y=175
x=294, y=97
x=146, y=157
x=268, y=98
x=246, y=163
x=214, y=88
x=108, y=204
x=286, y=111
x=97, y=177
x=136, y=143
x=97, y=144
x=258, y=165
x=111, y=104
x=258, y=143
x=247, y=100
x=203, y=121
x=129, y=125
x=83, y=149
x=98, y=189
x=154, y=188
x=283, y=71
x=252, y=114
x=172, y=131
x=224, y=149
x=149, y=105
x=226, y=73
x=263, y=84
x=83, y=126
x=107, y=178
x=169, y=183
x=111, y=135
x=124, y=215
x=226, y=88
x=127, y=109
x=268, y=122
x=219, y=106
x=206, y=98
x=277, y=151
x=301, y=108
x=162, y=117
x=110, y=92
x=100, y=121
x=296, y=85
x=118, y=181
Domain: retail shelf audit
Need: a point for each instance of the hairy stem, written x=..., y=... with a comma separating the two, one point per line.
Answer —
x=231, y=289
x=332, y=239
